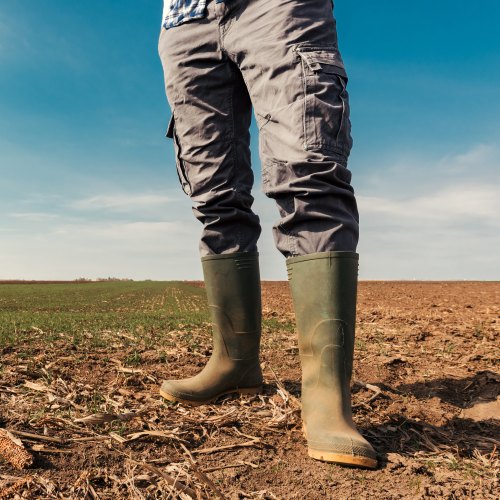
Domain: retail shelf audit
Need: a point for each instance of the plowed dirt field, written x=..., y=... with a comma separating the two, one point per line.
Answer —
x=81, y=363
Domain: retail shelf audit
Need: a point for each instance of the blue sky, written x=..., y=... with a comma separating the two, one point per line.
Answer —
x=88, y=180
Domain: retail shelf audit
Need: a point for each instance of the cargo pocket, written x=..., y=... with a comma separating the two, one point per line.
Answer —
x=179, y=163
x=326, y=102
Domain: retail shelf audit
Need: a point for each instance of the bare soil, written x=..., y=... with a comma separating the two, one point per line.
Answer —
x=425, y=393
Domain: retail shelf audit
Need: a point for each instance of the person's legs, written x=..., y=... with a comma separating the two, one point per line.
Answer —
x=288, y=54
x=211, y=114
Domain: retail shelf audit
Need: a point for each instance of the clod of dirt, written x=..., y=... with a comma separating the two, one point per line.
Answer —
x=483, y=411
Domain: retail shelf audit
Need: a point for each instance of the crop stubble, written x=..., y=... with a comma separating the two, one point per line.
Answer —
x=81, y=363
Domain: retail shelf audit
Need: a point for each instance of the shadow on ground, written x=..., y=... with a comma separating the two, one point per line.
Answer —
x=403, y=434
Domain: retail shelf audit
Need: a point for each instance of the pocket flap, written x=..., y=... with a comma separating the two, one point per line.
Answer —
x=170, y=127
x=323, y=59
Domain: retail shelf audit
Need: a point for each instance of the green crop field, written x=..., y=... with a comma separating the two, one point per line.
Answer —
x=86, y=310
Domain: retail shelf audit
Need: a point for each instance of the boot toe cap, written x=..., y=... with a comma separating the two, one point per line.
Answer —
x=346, y=450
x=173, y=391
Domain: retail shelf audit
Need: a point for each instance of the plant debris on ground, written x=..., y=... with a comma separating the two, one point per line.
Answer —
x=81, y=416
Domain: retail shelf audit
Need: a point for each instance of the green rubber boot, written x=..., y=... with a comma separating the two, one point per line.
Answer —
x=232, y=283
x=324, y=287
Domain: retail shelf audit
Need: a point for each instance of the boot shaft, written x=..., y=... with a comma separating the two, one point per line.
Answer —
x=324, y=291
x=233, y=291
x=232, y=283
x=324, y=287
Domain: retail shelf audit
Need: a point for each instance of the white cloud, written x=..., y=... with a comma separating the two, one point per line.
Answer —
x=446, y=205
x=123, y=202
x=120, y=232
x=138, y=250
x=420, y=218
x=440, y=221
x=137, y=235
x=480, y=154
x=33, y=216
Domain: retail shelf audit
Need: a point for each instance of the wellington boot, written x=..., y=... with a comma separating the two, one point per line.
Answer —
x=232, y=284
x=324, y=287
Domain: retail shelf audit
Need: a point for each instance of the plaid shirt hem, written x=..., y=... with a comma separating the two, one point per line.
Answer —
x=177, y=12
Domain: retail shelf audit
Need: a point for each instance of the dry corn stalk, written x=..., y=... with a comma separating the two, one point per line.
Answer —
x=13, y=451
x=9, y=492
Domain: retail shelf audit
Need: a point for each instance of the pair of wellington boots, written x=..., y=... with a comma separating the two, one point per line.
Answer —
x=324, y=288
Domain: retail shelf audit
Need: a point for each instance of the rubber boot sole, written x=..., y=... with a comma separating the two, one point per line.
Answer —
x=189, y=402
x=342, y=459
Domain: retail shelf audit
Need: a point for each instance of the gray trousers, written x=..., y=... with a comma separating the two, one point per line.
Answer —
x=282, y=58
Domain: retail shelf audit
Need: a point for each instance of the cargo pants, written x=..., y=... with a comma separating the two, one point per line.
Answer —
x=280, y=57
